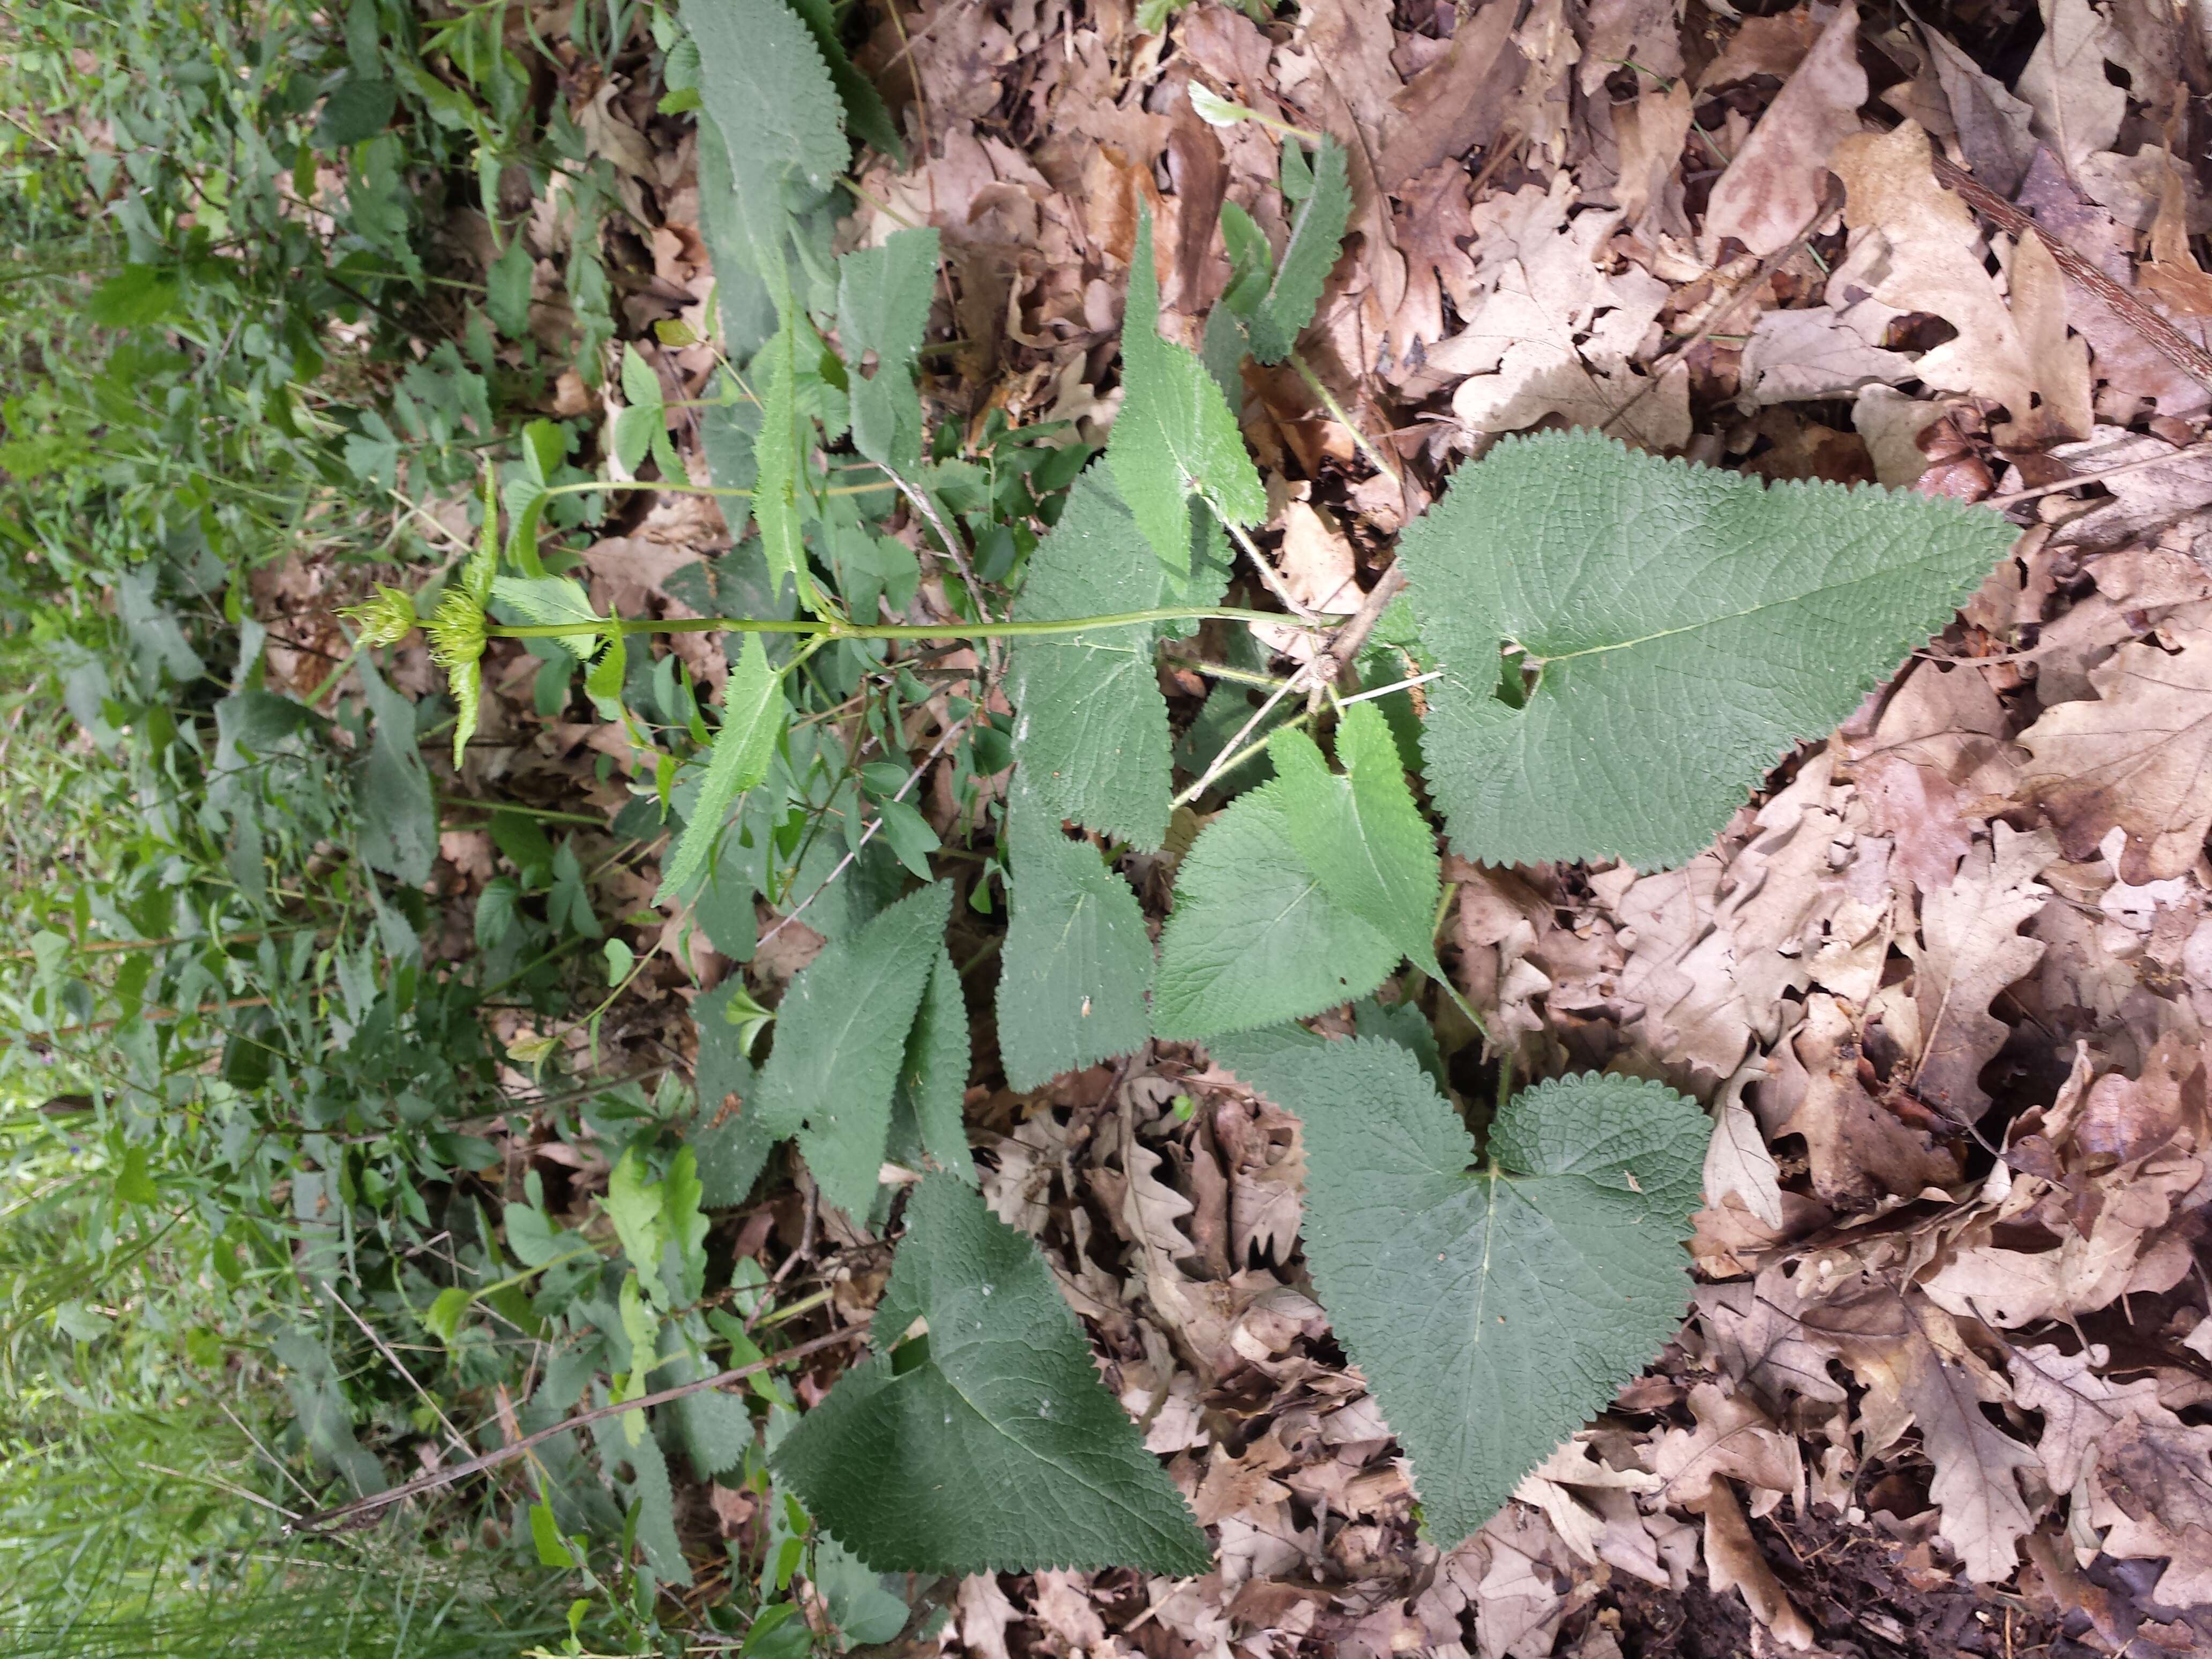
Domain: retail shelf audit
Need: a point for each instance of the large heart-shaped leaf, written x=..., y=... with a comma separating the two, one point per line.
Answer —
x=1494, y=1309
x=997, y=1449
x=1687, y=626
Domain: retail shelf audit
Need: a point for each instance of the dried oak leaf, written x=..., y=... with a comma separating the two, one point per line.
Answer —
x=2139, y=756
x=1859, y=1150
x=1970, y=950
x=1907, y=1354
x=1779, y=178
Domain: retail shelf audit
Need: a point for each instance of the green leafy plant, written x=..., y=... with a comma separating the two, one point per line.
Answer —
x=297, y=1104
x=1616, y=647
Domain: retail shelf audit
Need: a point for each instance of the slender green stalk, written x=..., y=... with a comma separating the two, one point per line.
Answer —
x=1371, y=451
x=833, y=627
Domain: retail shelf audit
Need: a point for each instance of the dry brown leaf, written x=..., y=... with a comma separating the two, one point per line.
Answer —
x=1817, y=351
x=1970, y=950
x=2077, y=108
x=1734, y=1439
x=1737, y=1162
x=2139, y=758
x=1733, y=1562
x=1772, y=45
x=1557, y=334
x=1457, y=103
x=2057, y=363
x=1755, y=1334
x=2130, y=368
x=1777, y=180
x=1650, y=133
x=1915, y=246
x=1859, y=1150
x=1993, y=125
x=1907, y=1355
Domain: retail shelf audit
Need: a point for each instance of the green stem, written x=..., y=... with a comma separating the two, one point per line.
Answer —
x=1336, y=412
x=835, y=629
x=669, y=486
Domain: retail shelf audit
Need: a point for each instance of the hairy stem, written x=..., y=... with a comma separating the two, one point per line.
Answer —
x=837, y=628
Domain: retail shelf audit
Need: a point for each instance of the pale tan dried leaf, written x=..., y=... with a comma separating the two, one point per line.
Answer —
x=1915, y=245
x=2077, y=108
x=1650, y=133
x=1733, y=1439
x=1755, y=1334
x=1737, y=1161
x=1733, y=1562
x=1816, y=351
x=1908, y=1356
x=2139, y=758
x=2057, y=363
x=1773, y=187
x=1970, y=950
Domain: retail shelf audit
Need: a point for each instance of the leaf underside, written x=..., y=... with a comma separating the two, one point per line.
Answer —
x=1692, y=625
x=1493, y=1311
x=1001, y=1450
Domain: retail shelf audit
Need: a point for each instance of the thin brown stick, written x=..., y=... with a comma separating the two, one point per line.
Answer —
x=2193, y=452
x=322, y=1519
x=1343, y=648
x=2158, y=333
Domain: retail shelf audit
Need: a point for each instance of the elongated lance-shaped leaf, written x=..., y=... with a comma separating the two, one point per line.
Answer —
x=1316, y=236
x=998, y=1449
x=554, y=601
x=1077, y=963
x=775, y=449
x=728, y=1137
x=752, y=720
x=1492, y=1309
x=763, y=78
x=1175, y=436
x=1359, y=835
x=934, y=1081
x=1255, y=937
x=864, y=105
x=1687, y=626
x=840, y=1038
x=1091, y=727
x=882, y=306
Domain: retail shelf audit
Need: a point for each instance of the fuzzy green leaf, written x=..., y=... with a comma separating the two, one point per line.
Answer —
x=752, y=720
x=1076, y=959
x=1255, y=937
x=775, y=451
x=1359, y=835
x=933, y=1082
x=1176, y=436
x=1001, y=1449
x=864, y=105
x=1091, y=729
x=727, y=1136
x=763, y=80
x=1316, y=236
x=1691, y=625
x=392, y=791
x=882, y=306
x=1493, y=1311
x=841, y=1037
